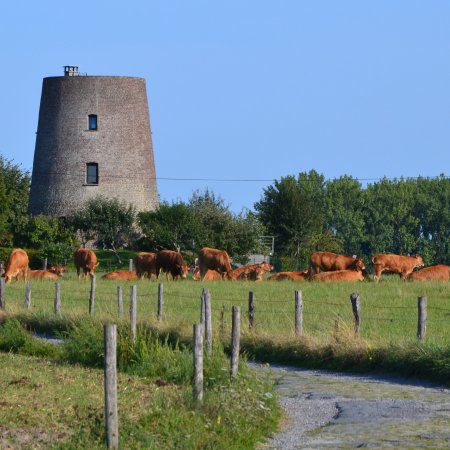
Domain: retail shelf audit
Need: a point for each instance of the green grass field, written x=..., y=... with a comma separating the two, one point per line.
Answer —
x=388, y=309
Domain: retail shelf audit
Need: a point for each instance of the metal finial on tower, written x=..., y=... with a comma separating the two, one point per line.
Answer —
x=71, y=71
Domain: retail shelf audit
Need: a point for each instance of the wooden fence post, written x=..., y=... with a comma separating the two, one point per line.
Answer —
x=119, y=301
x=235, y=339
x=92, y=296
x=298, y=313
x=2, y=293
x=58, y=299
x=198, y=363
x=422, y=318
x=111, y=415
x=356, y=307
x=1, y=268
x=133, y=311
x=251, y=310
x=208, y=322
x=130, y=265
x=202, y=307
x=160, y=301
x=44, y=264
x=27, y=302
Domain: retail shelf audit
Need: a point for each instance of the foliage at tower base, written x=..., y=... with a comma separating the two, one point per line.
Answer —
x=109, y=222
x=404, y=216
x=204, y=221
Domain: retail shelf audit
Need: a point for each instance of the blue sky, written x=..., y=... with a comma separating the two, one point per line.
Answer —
x=252, y=90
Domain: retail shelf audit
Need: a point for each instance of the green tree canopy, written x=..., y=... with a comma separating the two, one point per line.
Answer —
x=110, y=222
x=14, y=193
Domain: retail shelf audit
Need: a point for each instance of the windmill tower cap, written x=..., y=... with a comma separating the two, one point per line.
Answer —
x=71, y=71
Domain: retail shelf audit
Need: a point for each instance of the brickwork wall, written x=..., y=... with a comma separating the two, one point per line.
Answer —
x=122, y=144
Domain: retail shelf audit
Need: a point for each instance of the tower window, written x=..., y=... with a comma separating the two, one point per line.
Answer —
x=92, y=173
x=92, y=121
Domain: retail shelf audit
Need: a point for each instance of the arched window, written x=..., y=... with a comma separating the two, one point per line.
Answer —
x=92, y=121
x=92, y=173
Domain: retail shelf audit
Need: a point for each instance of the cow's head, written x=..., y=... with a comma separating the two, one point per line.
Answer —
x=420, y=262
x=59, y=270
x=359, y=265
x=183, y=269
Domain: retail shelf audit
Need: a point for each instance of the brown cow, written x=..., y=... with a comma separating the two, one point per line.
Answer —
x=439, y=272
x=254, y=274
x=59, y=270
x=124, y=275
x=42, y=275
x=145, y=263
x=241, y=272
x=339, y=275
x=213, y=259
x=210, y=275
x=170, y=261
x=403, y=265
x=298, y=275
x=17, y=265
x=327, y=262
x=86, y=260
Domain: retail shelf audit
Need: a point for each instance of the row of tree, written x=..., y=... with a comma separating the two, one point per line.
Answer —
x=304, y=213
x=404, y=216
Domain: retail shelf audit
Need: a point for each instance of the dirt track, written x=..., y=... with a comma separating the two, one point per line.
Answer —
x=333, y=410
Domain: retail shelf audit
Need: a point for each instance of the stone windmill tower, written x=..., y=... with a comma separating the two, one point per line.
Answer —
x=93, y=139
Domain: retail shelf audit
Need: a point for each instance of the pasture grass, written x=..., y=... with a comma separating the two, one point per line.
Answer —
x=388, y=339
x=57, y=402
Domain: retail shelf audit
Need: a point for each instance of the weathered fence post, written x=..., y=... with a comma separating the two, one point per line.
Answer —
x=44, y=264
x=198, y=363
x=208, y=322
x=58, y=299
x=422, y=318
x=235, y=339
x=298, y=313
x=92, y=296
x=1, y=268
x=27, y=302
x=133, y=311
x=251, y=310
x=119, y=301
x=111, y=415
x=130, y=265
x=356, y=307
x=2, y=293
x=202, y=307
x=160, y=301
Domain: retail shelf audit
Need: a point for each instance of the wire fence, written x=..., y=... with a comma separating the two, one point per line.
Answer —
x=266, y=315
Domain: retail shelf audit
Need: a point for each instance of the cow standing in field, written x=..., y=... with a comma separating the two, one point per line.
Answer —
x=122, y=275
x=440, y=272
x=297, y=275
x=145, y=263
x=213, y=259
x=86, y=260
x=171, y=262
x=403, y=265
x=328, y=261
x=42, y=275
x=17, y=265
x=338, y=275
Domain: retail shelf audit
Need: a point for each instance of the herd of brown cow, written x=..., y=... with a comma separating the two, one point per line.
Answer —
x=215, y=264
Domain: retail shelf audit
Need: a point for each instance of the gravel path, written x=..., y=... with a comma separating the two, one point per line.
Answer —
x=333, y=410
